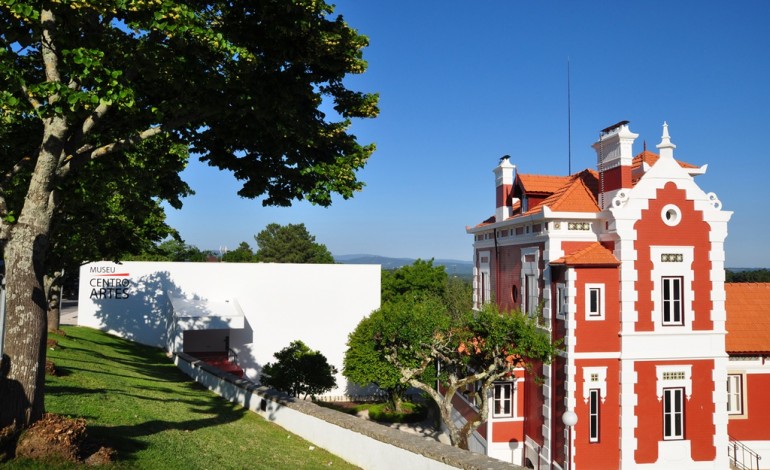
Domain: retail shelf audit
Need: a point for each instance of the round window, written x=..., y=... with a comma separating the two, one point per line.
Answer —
x=671, y=215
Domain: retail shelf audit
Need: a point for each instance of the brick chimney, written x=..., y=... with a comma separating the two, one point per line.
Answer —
x=615, y=159
x=504, y=174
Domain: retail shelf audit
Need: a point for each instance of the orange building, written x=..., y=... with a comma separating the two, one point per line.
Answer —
x=625, y=264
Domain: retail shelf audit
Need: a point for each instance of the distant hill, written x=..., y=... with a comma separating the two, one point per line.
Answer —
x=453, y=267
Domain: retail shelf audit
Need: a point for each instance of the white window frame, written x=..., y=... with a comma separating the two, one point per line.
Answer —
x=671, y=415
x=598, y=313
x=562, y=300
x=594, y=405
x=669, y=304
x=483, y=279
x=530, y=291
x=530, y=284
x=672, y=261
x=503, y=397
x=735, y=394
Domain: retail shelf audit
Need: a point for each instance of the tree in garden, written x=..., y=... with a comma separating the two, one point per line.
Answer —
x=458, y=295
x=365, y=364
x=428, y=346
x=242, y=254
x=299, y=371
x=290, y=243
x=419, y=279
x=239, y=83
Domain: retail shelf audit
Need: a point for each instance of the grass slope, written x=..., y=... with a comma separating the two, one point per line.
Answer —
x=136, y=401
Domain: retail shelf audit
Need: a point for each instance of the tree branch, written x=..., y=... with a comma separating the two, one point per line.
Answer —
x=35, y=103
x=88, y=125
x=90, y=153
x=48, y=50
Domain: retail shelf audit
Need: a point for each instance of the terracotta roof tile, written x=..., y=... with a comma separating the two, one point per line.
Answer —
x=594, y=254
x=577, y=194
x=651, y=157
x=541, y=183
x=748, y=317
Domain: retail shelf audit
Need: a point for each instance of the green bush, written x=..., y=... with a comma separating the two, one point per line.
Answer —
x=412, y=413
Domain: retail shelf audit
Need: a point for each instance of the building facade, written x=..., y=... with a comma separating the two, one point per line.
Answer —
x=625, y=265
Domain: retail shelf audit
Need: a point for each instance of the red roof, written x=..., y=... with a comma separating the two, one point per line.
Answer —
x=541, y=184
x=573, y=193
x=576, y=195
x=651, y=157
x=748, y=317
x=594, y=254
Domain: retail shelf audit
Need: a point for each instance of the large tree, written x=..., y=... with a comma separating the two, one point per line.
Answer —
x=365, y=362
x=428, y=345
x=290, y=243
x=240, y=83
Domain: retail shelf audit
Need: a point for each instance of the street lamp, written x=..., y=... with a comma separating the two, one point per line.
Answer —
x=569, y=418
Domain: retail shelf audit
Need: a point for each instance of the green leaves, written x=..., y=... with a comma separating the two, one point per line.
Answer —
x=23, y=10
x=290, y=243
x=299, y=371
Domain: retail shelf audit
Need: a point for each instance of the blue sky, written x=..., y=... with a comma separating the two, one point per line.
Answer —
x=463, y=83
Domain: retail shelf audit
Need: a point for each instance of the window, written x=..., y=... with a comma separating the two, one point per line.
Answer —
x=593, y=415
x=594, y=305
x=594, y=301
x=671, y=215
x=561, y=299
x=735, y=394
x=673, y=414
x=503, y=400
x=484, y=289
x=672, y=301
x=531, y=294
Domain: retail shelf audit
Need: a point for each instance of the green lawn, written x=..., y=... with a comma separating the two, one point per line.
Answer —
x=136, y=401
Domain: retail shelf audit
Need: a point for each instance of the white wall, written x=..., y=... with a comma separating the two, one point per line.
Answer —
x=316, y=303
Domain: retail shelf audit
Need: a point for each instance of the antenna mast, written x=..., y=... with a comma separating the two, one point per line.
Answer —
x=569, y=124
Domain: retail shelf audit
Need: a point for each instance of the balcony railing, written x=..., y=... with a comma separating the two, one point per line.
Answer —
x=742, y=457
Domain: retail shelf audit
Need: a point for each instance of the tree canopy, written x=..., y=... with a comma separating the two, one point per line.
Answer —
x=241, y=84
x=242, y=254
x=419, y=279
x=365, y=363
x=749, y=275
x=290, y=243
x=428, y=345
x=173, y=249
x=299, y=371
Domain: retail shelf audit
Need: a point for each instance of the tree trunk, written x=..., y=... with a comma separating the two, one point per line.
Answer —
x=26, y=304
x=25, y=336
x=53, y=292
x=54, y=315
x=396, y=402
x=445, y=407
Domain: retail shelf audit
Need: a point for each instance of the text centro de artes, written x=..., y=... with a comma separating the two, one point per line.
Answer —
x=109, y=284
